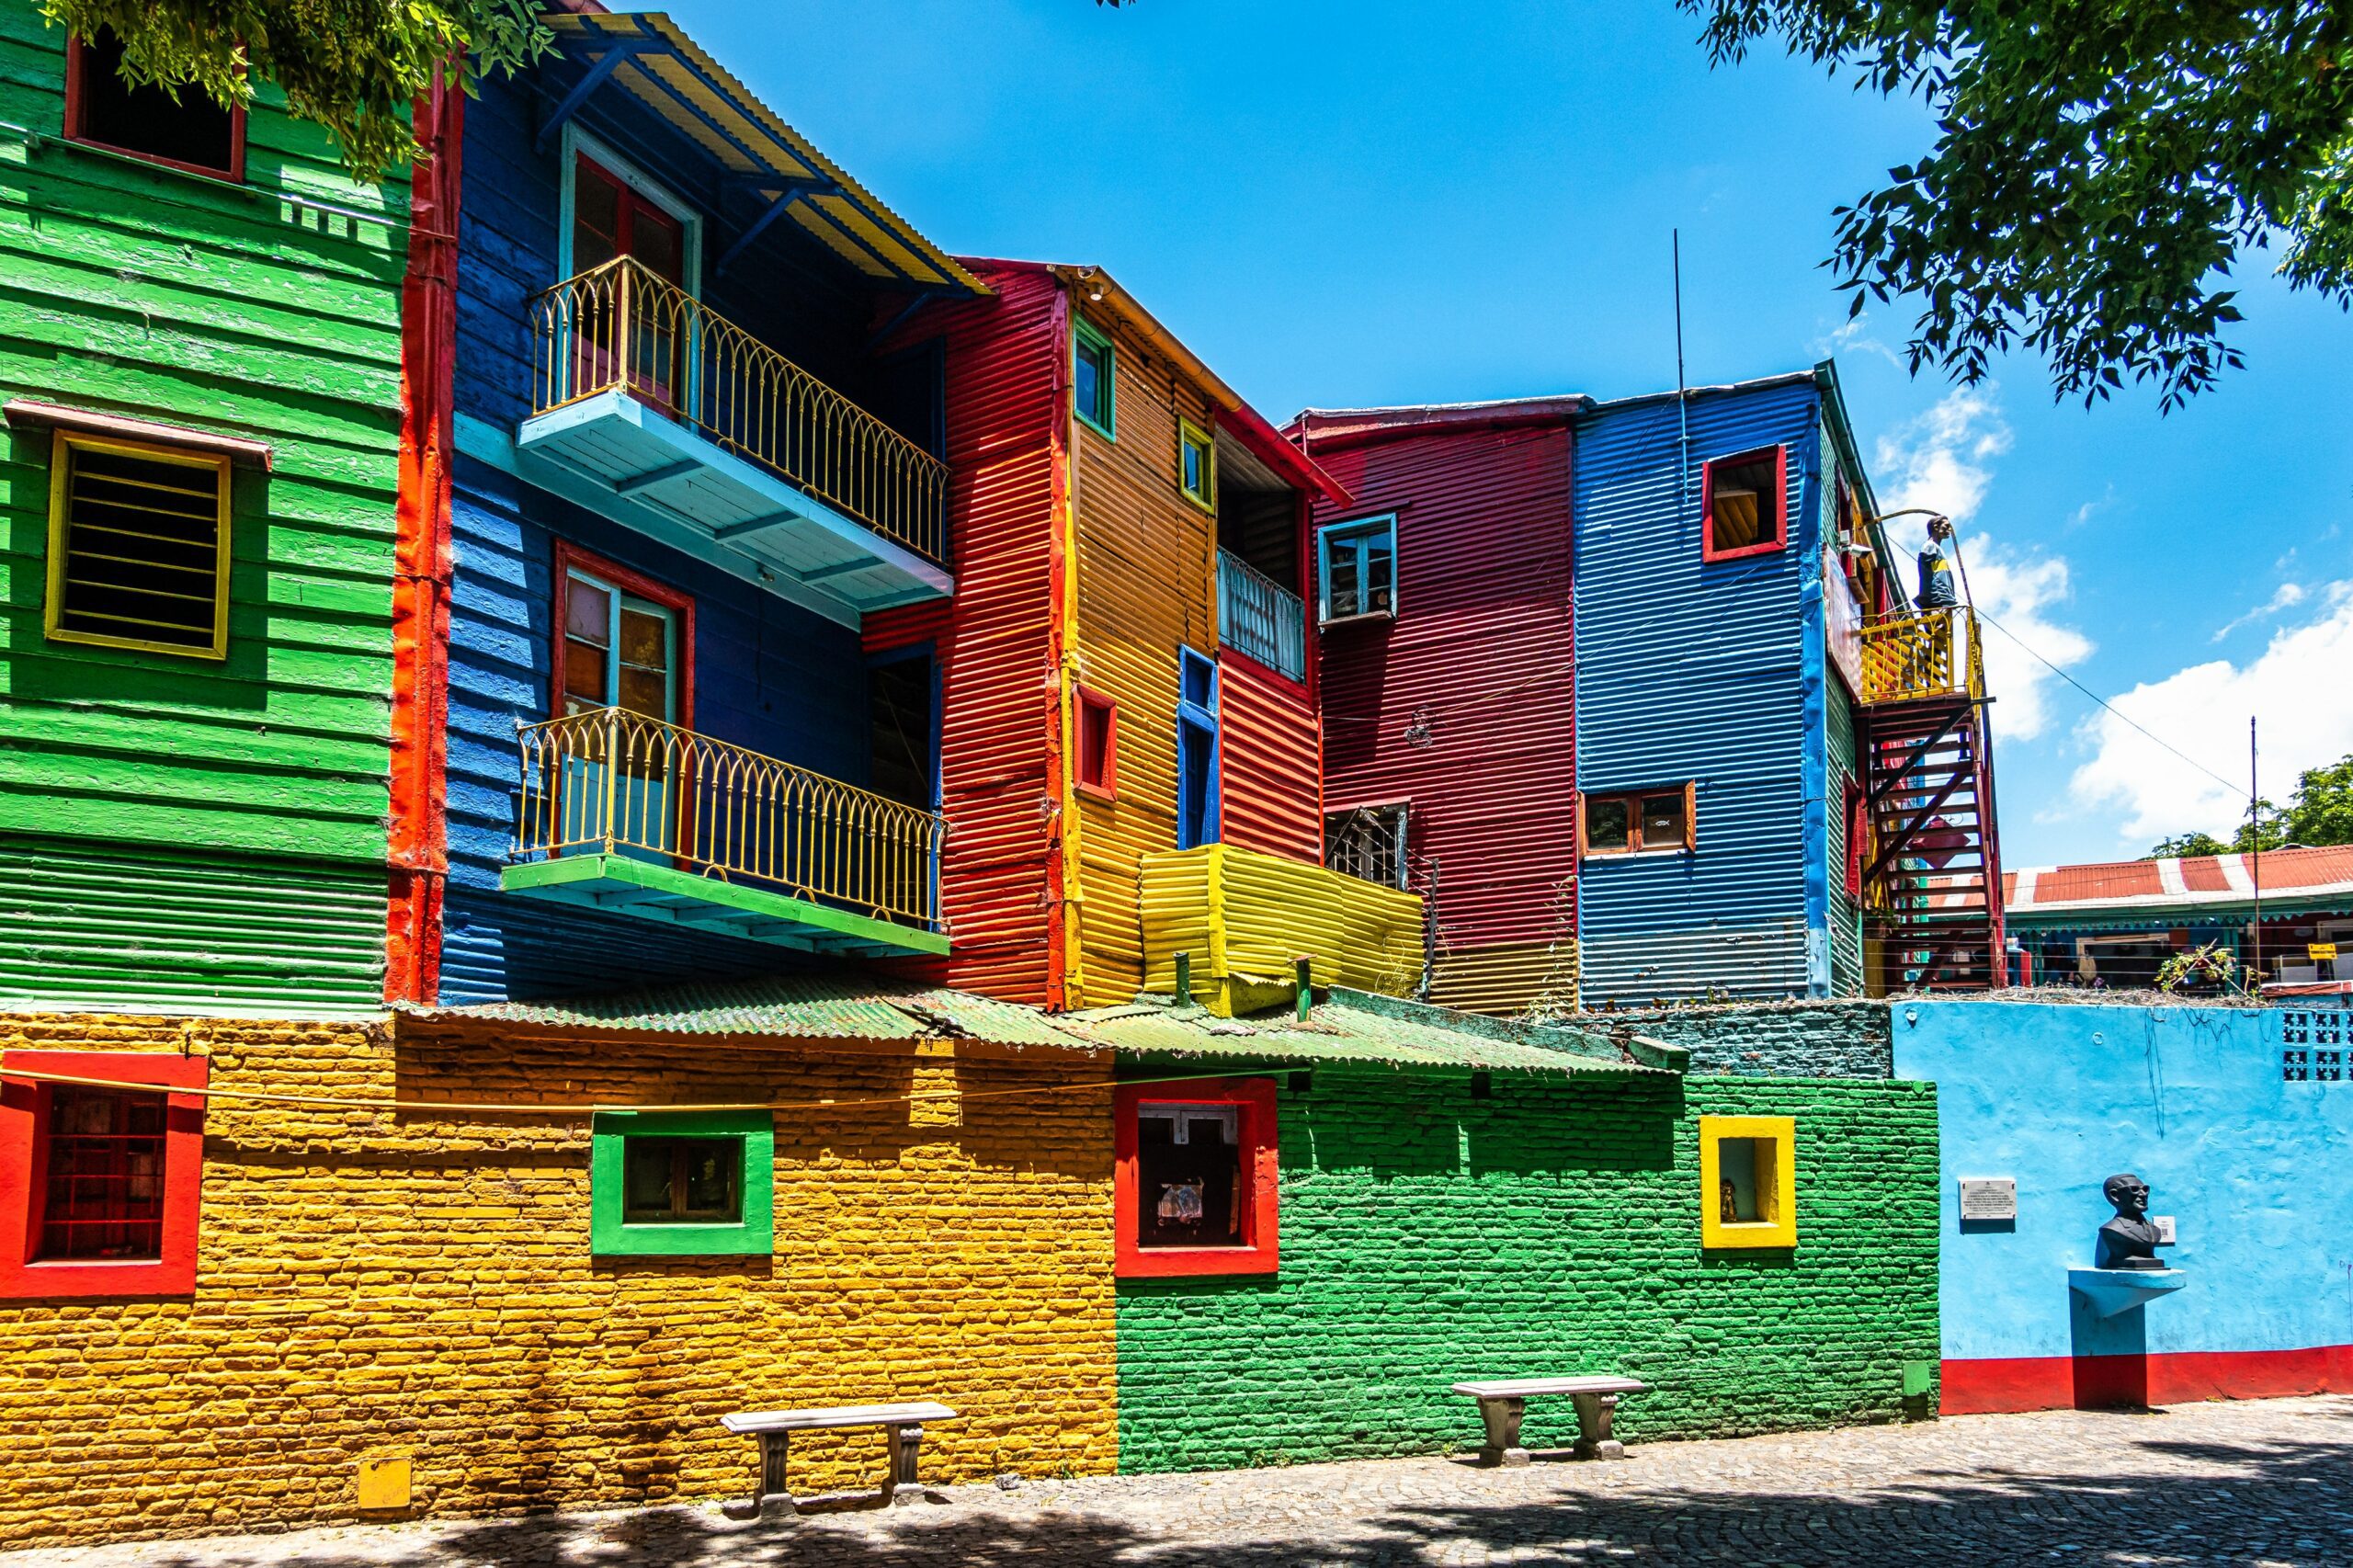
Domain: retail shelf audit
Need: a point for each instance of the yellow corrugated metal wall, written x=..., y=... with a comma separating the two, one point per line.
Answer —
x=1263, y=913
x=1145, y=582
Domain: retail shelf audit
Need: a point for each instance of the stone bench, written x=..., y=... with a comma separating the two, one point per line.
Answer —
x=775, y=1429
x=1503, y=1403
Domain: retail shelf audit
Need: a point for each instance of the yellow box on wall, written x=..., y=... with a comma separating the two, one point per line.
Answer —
x=384, y=1483
x=1748, y=1181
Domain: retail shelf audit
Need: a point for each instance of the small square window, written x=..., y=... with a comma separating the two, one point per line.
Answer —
x=1368, y=844
x=1099, y=744
x=1663, y=821
x=138, y=547
x=1359, y=569
x=99, y=1184
x=671, y=1183
x=1093, y=366
x=1743, y=502
x=1194, y=1189
x=1747, y=1180
x=1196, y=465
x=190, y=132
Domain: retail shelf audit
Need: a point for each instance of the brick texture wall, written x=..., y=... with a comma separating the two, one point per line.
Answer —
x=1429, y=1237
x=1769, y=1039
x=373, y=1283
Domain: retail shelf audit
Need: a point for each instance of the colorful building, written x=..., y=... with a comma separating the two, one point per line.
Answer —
x=200, y=376
x=1773, y=751
x=2114, y=924
x=1131, y=750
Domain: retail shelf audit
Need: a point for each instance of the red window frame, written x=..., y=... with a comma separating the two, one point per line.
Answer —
x=677, y=601
x=1260, y=1253
x=24, y=1174
x=1780, y=541
x=1632, y=799
x=75, y=105
x=1858, y=831
x=1102, y=780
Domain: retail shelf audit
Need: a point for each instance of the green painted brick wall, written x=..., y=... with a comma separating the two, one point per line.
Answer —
x=134, y=289
x=1553, y=1228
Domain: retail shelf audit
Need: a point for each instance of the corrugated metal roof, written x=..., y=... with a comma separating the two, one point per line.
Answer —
x=1351, y=1026
x=849, y=1005
x=2290, y=876
x=1336, y=427
x=672, y=74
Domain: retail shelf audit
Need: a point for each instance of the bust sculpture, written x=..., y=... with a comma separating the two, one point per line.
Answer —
x=2129, y=1240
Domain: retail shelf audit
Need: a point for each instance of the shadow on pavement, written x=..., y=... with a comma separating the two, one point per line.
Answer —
x=2258, y=1503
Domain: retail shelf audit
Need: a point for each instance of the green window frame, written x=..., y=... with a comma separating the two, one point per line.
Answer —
x=752, y=1233
x=1196, y=465
x=1091, y=352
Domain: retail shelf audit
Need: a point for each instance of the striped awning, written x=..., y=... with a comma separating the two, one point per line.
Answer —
x=649, y=56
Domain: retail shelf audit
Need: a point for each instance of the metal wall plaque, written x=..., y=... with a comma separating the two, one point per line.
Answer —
x=1989, y=1197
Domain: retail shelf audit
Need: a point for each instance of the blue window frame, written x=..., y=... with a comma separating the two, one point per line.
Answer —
x=1091, y=379
x=1356, y=569
x=1197, y=758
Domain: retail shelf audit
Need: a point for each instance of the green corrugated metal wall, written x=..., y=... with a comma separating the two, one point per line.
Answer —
x=132, y=289
x=1845, y=935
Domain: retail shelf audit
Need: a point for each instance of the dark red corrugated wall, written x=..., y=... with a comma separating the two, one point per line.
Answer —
x=1267, y=784
x=1464, y=705
x=993, y=637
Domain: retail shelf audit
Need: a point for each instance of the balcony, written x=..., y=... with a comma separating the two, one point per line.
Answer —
x=1910, y=658
x=1259, y=617
x=622, y=813
x=661, y=413
x=1246, y=918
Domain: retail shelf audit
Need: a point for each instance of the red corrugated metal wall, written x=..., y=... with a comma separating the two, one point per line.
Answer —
x=1269, y=788
x=1464, y=705
x=994, y=636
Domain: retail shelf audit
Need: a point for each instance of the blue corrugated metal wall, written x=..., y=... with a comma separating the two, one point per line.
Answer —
x=767, y=673
x=1708, y=672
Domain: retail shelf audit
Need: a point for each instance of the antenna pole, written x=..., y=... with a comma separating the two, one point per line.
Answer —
x=2255, y=848
x=1682, y=398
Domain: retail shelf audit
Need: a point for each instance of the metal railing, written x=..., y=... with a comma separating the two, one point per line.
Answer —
x=611, y=781
x=1911, y=656
x=621, y=326
x=1258, y=617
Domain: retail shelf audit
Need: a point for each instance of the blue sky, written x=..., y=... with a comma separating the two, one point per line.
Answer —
x=1341, y=204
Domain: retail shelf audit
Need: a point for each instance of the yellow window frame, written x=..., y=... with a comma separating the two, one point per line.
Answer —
x=63, y=444
x=1777, y=1207
x=1191, y=434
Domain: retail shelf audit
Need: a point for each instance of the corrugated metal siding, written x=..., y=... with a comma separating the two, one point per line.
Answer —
x=1269, y=788
x=1695, y=671
x=1263, y=913
x=144, y=291
x=997, y=678
x=1845, y=930
x=182, y=930
x=1463, y=705
x=1146, y=578
x=768, y=675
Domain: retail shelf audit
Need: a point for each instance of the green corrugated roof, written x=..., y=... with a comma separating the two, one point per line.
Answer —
x=848, y=1005
x=1352, y=1025
x=1344, y=1025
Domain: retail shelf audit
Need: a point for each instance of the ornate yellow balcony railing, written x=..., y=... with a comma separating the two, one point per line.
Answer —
x=621, y=327
x=1911, y=656
x=610, y=782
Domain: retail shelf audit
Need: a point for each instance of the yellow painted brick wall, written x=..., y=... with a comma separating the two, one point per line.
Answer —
x=374, y=1283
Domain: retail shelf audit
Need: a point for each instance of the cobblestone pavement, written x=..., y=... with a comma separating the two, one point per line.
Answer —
x=2262, y=1483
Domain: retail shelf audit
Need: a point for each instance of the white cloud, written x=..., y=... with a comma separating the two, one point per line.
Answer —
x=1853, y=335
x=1939, y=459
x=2295, y=687
x=1943, y=460
x=2287, y=597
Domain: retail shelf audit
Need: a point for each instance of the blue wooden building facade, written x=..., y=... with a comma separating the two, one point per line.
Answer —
x=1774, y=753
x=683, y=478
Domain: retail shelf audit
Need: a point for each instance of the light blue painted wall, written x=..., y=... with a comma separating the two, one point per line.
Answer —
x=2258, y=1171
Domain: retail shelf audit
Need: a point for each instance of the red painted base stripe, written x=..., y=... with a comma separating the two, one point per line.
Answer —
x=2103, y=1382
